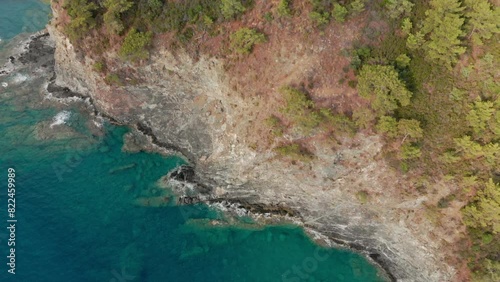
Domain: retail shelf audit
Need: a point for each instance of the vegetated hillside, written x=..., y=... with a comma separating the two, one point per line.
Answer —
x=423, y=74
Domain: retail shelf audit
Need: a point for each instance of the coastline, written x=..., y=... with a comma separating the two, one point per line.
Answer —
x=209, y=186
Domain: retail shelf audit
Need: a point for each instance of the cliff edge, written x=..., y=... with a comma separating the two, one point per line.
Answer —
x=191, y=106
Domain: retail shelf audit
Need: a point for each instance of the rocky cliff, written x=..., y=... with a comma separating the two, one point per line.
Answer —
x=188, y=106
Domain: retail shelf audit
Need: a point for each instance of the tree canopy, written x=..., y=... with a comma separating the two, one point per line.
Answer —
x=81, y=13
x=112, y=16
x=485, y=212
x=484, y=21
x=382, y=85
x=443, y=26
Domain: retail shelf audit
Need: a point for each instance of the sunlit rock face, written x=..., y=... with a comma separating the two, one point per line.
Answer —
x=187, y=106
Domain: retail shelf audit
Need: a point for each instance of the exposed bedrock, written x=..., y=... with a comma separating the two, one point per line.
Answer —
x=187, y=106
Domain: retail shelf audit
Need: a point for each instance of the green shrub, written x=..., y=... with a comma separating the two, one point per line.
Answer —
x=284, y=8
x=415, y=41
x=381, y=84
x=484, y=213
x=341, y=124
x=320, y=14
x=82, y=15
x=296, y=101
x=486, y=238
x=409, y=152
x=176, y=15
x=363, y=118
x=388, y=126
x=99, y=67
x=136, y=44
x=403, y=61
x=352, y=83
x=112, y=16
x=319, y=19
x=300, y=109
x=362, y=197
x=231, y=8
x=295, y=152
x=113, y=79
x=243, y=40
x=276, y=126
x=339, y=12
x=398, y=8
x=186, y=35
x=357, y=6
x=359, y=56
x=406, y=26
x=444, y=202
x=268, y=17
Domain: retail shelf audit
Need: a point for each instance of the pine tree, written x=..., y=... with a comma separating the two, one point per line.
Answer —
x=406, y=26
x=363, y=118
x=409, y=129
x=468, y=148
x=112, y=17
x=81, y=13
x=382, y=86
x=408, y=152
x=443, y=24
x=284, y=8
x=403, y=61
x=483, y=20
x=415, y=41
x=388, y=125
x=479, y=115
x=357, y=6
x=485, y=212
x=231, y=8
x=398, y=8
x=339, y=12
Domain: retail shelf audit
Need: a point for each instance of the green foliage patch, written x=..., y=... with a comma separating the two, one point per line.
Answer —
x=244, y=39
x=82, y=14
x=294, y=151
x=284, y=9
x=382, y=86
x=135, y=46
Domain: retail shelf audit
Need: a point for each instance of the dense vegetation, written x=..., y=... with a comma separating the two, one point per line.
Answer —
x=140, y=20
x=430, y=86
x=451, y=123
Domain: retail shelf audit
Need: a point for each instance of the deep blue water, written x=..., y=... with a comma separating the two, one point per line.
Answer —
x=86, y=211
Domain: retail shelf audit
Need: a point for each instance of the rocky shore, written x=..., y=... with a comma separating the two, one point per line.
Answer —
x=187, y=107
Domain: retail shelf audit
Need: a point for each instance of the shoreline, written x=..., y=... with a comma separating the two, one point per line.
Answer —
x=255, y=210
x=207, y=187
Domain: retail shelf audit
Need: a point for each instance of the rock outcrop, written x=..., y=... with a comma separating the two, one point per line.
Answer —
x=188, y=107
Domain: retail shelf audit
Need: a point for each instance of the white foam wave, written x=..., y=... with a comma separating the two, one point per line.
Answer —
x=60, y=118
x=5, y=84
x=19, y=78
x=99, y=121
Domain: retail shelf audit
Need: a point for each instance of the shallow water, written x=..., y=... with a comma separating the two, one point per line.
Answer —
x=86, y=211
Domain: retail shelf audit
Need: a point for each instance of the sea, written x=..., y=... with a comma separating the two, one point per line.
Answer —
x=74, y=206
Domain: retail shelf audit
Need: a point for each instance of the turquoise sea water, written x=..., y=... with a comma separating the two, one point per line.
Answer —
x=85, y=212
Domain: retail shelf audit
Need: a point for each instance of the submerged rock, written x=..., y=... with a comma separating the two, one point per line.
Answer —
x=121, y=168
x=154, y=202
x=46, y=130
